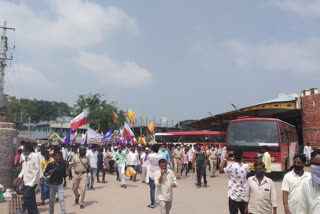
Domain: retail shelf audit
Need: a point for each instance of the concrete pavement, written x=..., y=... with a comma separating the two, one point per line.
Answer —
x=187, y=199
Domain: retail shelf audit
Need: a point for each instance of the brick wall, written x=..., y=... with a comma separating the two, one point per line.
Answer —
x=310, y=106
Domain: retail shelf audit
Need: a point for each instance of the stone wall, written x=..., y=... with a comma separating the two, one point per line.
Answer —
x=8, y=133
x=310, y=107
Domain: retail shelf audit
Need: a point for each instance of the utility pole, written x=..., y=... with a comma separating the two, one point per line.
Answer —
x=3, y=60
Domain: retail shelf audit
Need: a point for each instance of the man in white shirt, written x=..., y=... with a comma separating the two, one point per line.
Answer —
x=164, y=180
x=311, y=187
x=237, y=174
x=153, y=166
x=133, y=161
x=307, y=152
x=292, y=186
x=31, y=175
x=144, y=164
x=93, y=157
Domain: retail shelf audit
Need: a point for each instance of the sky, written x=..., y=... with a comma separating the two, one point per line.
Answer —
x=181, y=59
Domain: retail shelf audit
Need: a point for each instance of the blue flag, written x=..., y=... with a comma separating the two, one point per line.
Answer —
x=108, y=135
x=67, y=138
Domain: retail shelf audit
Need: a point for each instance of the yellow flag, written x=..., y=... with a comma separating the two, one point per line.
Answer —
x=144, y=141
x=130, y=115
x=52, y=136
x=151, y=127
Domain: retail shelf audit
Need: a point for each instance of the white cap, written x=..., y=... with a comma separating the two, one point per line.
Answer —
x=147, y=148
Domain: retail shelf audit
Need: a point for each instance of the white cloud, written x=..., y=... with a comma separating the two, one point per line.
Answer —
x=300, y=7
x=72, y=23
x=22, y=76
x=125, y=74
x=297, y=57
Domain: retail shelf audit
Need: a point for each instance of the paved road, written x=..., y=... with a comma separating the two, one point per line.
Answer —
x=110, y=198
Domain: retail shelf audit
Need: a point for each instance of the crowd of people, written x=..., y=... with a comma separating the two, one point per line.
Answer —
x=46, y=169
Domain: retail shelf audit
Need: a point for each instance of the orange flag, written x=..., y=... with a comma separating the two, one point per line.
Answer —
x=151, y=127
x=115, y=117
x=98, y=128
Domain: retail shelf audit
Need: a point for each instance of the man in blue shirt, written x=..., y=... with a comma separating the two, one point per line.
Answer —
x=163, y=151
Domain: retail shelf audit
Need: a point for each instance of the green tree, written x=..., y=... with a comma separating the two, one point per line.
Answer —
x=40, y=110
x=100, y=111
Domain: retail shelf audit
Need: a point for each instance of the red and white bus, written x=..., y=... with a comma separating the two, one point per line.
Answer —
x=249, y=134
x=204, y=137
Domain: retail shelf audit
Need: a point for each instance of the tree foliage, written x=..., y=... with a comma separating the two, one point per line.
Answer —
x=100, y=111
x=40, y=110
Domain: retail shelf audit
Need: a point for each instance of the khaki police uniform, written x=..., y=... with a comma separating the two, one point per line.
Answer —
x=177, y=162
x=213, y=159
x=80, y=178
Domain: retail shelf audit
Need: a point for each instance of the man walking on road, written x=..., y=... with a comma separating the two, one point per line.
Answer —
x=153, y=164
x=31, y=174
x=237, y=173
x=163, y=151
x=133, y=161
x=121, y=158
x=177, y=161
x=165, y=180
x=82, y=167
x=292, y=186
x=311, y=186
x=57, y=172
x=260, y=192
x=200, y=159
x=307, y=152
x=213, y=159
x=92, y=154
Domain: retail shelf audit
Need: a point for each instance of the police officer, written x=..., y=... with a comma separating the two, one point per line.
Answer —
x=82, y=166
x=177, y=161
x=213, y=159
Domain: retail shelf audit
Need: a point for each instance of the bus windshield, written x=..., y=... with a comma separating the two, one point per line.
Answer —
x=253, y=133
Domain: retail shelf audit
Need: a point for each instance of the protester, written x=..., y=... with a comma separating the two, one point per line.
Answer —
x=165, y=154
x=237, y=174
x=177, y=161
x=185, y=161
x=108, y=160
x=213, y=159
x=153, y=166
x=31, y=175
x=57, y=172
x=311, y=187
x=133, y=161
x=260, y=194
x=292, y=186
x=200, y=159
x=71, y=154
x=114, y=154
x=45, y=183
x=190, y=157
x=307, y=152
x=122, y=160
x=266, y=159
x=165, y=180
x=92, y=154
x=144, y=164
x=82, y=167
x=101, y=166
